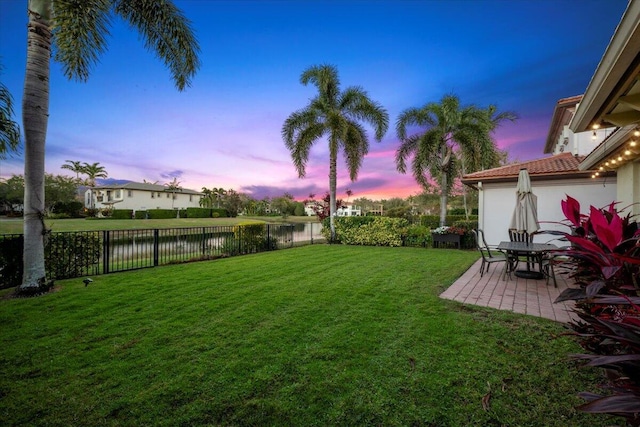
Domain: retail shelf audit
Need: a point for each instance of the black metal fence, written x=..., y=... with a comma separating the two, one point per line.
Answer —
x=88, y=253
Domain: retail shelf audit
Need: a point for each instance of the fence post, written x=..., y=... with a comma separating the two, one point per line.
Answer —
x=105, y=251
x=155, y=247
x=204, y=240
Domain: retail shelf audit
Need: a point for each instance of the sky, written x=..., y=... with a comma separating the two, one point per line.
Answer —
x=225, y=130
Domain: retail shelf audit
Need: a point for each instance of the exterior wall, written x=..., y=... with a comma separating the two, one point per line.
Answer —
x=579, y=143
x=629, y=187
x=497, y=201
x=141, y=199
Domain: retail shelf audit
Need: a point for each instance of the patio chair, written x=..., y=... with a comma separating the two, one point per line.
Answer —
x=490, y=255
x=521, y=236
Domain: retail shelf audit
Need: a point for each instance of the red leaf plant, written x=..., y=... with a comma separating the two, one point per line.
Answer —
x=604, y=261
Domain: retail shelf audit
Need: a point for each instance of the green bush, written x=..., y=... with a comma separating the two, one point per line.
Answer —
x=182, y=213
x=433, y=221
x=198, y=213
x=141, y=215
x=72, y=209
x=71, y=254
x=221, y=213
x=11, y=260
x=368, y=230
x=162, y=213
x=122, y=214
x=418, y=235
x=251, y=238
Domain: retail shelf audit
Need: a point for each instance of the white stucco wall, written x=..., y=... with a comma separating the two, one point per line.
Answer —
x=142, y=200
x=629, y=187
x=497, y=201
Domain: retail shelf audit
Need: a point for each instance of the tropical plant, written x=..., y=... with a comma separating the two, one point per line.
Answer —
x=336, y=115
x=76, y=167
x=93, y=171
x=605, y=263
x=78, y=30
x=9, y=130
x=173, y=187
x=451, y=134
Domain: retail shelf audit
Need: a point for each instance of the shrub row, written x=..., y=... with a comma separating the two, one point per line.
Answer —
x=433, y=221
x=385, y=231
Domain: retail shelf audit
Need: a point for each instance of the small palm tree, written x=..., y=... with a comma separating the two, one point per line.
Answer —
x=81, y=28
x=74, y=166
x=173, y=186
x=9, y=130
x=449, y=134
x=336, y=115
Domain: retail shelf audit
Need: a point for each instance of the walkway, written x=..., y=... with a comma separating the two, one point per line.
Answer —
x=532, y=297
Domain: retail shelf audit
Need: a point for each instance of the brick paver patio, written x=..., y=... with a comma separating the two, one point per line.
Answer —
x=527, y=296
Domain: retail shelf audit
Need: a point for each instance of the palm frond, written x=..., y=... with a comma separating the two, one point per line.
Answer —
x=80, y=28
x=9, y=130
x=166, y=32
x=356, y=146
x=325, y=79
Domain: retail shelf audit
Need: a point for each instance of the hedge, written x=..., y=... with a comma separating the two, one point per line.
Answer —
x=140, y=215
x=433, y=221
x=122, y=214
x=162, y=213
x=368, y=230
x=199, y=212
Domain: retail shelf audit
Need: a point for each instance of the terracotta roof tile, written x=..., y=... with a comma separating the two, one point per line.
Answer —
x=560, y=164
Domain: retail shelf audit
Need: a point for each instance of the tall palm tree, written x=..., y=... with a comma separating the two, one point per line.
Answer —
x=78, y=30
x=94, y=171
x=9, y=130
x=335, y=115
x=448, y=133
x=74, y=166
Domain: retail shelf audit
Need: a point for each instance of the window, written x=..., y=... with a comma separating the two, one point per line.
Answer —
x=191, y=197
x=129, y=193
x=153, y=195
x=168, y=195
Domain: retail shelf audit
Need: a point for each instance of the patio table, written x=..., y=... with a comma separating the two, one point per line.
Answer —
x=536, y=250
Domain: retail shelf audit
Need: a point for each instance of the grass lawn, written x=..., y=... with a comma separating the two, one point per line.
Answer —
x=15, y=225
x=317, y=335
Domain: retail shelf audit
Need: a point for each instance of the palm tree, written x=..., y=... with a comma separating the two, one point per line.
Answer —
x=452, y=133
x=73, y=166
x=173, y=186
x=337, y=116
x=9, y=130
x=93, y=171
x=79, y=38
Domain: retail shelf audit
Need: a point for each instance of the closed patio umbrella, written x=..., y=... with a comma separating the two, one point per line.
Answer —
x=525, y=214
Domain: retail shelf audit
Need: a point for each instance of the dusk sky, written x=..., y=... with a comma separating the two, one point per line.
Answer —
x=224, y=131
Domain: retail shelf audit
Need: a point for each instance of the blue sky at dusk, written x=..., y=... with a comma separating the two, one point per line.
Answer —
x=224, y=131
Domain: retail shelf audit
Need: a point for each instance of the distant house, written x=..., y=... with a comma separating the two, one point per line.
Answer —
x=349, y=209
x=311, y=207
x=140, y=196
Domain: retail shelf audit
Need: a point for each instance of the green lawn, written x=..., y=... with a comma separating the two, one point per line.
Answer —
x=317, y=335
x=15, y=225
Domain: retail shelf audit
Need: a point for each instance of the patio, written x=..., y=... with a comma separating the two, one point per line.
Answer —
x=526, y=296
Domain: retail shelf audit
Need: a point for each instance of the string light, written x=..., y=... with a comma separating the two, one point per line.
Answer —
x=627, y=152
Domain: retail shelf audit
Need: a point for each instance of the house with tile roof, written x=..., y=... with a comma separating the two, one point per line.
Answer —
x=594, y=140
x=552, y=178
x=140, y=196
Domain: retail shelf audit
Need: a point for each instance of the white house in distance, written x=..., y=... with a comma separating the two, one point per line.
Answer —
x=349, y=209
x=140, y=196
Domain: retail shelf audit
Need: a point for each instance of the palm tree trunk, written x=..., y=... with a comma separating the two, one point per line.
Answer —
x=443, y=199
x=35, y=115
x=333, y=168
